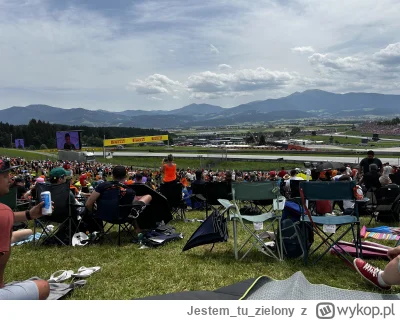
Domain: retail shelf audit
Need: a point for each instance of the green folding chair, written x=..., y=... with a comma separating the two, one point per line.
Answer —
x=10, y=200
x=254, y=224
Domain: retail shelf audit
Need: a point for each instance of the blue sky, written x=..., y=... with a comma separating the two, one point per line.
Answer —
x=124, y=54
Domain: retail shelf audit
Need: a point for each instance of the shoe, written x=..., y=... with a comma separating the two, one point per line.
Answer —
x=369, y=273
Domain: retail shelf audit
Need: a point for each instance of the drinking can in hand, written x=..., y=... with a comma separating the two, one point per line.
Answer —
x=46, y=198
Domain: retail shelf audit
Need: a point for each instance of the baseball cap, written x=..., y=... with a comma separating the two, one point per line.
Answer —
x=58, y=173
x=272, y=173
x=5, y=166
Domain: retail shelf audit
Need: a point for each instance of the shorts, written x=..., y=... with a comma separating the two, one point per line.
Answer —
x=26, y=290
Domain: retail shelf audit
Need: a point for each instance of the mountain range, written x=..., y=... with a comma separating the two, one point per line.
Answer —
x=299, y=105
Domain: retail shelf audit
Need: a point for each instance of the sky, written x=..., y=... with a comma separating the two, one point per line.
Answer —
x=162, y=55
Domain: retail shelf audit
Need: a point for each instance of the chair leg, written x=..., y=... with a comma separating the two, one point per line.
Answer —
x=119, y=235
x=235, y=239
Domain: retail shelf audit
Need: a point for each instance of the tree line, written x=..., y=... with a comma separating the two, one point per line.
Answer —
x=38, y=134
x=394, y=121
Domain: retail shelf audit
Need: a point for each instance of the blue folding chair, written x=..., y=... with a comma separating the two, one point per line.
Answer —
x=333, y=191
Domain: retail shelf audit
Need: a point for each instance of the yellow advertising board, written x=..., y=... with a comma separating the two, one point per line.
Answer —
x=120, y=141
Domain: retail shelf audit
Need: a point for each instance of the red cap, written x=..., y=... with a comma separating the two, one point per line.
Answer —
x=272, y=173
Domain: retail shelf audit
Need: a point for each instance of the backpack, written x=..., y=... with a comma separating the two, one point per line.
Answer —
x=293, y=238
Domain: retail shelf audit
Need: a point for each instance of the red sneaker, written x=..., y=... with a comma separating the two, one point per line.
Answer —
x=369, y=273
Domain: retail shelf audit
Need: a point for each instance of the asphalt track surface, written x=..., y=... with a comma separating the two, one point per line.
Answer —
x=311, y=158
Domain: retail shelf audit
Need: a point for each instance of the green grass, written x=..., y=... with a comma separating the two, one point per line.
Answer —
x=155, y=162
x=369, y=135
x=353, y=141
x=14, y=153
x=128, y=272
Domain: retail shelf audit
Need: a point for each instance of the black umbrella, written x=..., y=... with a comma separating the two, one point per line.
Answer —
x=212, y=230
x=328, y=165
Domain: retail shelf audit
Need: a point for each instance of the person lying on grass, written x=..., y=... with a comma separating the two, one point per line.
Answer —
x=127, y=196
x=28, y=290
x=382, y=279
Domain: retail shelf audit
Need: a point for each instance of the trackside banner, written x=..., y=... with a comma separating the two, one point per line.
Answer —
x=120, y=141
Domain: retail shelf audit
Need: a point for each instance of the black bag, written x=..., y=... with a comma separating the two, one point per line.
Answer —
x=292, y=247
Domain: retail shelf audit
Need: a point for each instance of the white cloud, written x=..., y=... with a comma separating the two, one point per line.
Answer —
x=389, y=55
x=213, y=49
x=155, y=98
x=156, y=84
x=224, y=66
x=303, y=49
x=176, y=97
x=80, y=53
x=241, y=82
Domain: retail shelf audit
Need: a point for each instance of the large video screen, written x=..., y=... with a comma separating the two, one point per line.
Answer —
x=68, y=140
x=19, y=143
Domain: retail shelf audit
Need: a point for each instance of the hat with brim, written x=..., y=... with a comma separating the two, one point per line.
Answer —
x=286, y=177
x=5, y=166
x=58, y=173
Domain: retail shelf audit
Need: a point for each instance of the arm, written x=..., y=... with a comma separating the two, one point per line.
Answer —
x=35, y=212
x=92, y=199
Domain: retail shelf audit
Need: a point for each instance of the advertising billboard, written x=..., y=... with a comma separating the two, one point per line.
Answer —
x=19, y=143
x=68, y=140
x=121, y=141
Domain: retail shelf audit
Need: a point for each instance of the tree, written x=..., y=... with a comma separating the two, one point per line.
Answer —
x=279, y=134
x=331, y=139
x=43, y=146
x=262, y=141
x=295, y=131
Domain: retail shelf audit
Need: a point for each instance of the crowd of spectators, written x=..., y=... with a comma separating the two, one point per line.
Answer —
x=374, y=127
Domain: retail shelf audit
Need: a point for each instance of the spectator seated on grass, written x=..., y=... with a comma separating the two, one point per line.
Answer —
x=28, y=290
x=127, y=195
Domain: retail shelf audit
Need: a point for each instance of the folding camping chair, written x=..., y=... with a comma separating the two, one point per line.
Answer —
x=386, y=200
x=173, y=193
x=295, y=188
x=112, y=213
x=198, y=195
x=250, y=192
x=322, y=225
x=64, y=215
x=215, y=191
x=157, y=212
x=10, y=200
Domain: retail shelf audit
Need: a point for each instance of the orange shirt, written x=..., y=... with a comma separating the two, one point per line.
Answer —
x=169, y=172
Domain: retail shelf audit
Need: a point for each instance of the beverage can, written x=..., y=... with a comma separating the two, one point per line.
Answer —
x=46, y=198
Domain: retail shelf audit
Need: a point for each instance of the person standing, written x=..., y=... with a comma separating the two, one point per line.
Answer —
x=169, y=169
x=366, y=162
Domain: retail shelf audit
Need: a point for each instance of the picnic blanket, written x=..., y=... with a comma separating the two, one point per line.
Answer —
x=296, y=287
x=381, y=233
x=30, y=239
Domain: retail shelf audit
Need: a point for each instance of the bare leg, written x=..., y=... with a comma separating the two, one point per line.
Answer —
x=391, y=274
x=44, y=289
x=20, y=235
x=146, y=198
